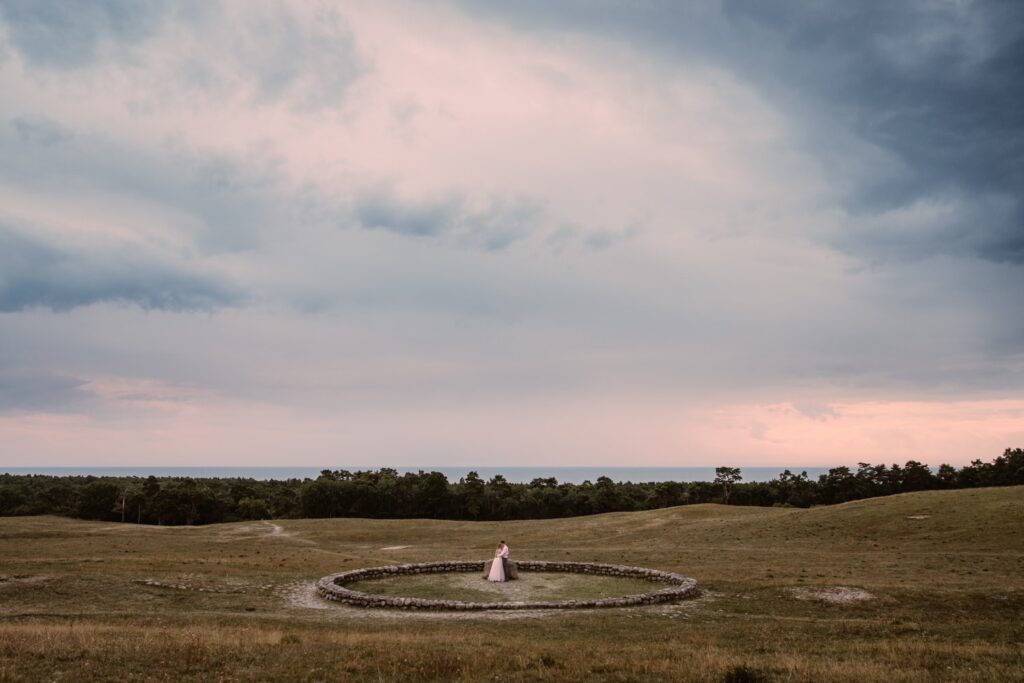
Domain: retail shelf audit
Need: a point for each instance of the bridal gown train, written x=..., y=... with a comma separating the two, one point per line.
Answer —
x=497, y=572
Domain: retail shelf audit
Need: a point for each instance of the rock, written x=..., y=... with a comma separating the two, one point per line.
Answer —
x=333, y=587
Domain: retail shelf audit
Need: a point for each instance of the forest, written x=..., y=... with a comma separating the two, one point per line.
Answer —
x=383, y=493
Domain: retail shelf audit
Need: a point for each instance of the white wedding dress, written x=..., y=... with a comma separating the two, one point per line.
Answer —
x=497, y=572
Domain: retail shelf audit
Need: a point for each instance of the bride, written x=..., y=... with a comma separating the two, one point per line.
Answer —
x=497, y=572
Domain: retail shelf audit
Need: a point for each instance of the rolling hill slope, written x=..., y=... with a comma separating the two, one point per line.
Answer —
x=935, y=581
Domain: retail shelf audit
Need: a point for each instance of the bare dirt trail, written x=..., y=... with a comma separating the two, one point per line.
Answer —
x=265, y=529
x=278, y=531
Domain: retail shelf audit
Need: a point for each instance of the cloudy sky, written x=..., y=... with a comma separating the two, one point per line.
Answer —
x=532, y=233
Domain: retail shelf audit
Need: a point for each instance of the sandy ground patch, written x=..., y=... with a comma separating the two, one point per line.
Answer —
x=531, y=586
x=204, y=584
x=302, y=596
x=11, y=579
x=131, y=527
x=836, y=595
x=262, y=530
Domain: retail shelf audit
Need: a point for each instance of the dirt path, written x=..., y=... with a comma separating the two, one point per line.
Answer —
x=278, y=531
x=302, y=596
x=837, y=595
x=248, y=532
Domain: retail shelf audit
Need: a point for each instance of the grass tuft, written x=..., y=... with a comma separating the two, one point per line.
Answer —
x=744, y=674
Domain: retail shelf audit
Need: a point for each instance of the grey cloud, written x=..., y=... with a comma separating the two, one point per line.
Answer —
x=386, y=213
x=956, y=224
x=595, y=239
x=38, y=274
x=815, y=411
x=603, y=239
x=228, y=202
x=491, y=227
x=66, y=35
x=268, y=47
x=40, y=131
x=42, y=391
x=935, y=86
x=281, y=54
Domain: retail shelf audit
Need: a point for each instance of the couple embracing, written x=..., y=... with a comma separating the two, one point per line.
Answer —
x=499, y=566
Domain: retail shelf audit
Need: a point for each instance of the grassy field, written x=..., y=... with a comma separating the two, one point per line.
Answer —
x=917, y=587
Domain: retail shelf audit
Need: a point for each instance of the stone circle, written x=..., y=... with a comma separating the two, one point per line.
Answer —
x=333, y=587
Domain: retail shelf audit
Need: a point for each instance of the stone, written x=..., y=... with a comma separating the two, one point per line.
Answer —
x=333, y=587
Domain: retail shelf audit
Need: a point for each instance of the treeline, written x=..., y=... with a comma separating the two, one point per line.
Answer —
x=384, y=493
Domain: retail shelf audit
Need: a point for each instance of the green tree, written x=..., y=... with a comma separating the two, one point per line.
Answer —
x=432, y=495
x=726, y=477
x=947, y=476
x=252, y=508
x=606, y=495
x=472, y=493
x=97, y=500
x=838, y=485
x=917, y=477
x=793, y=489
x=1008, y=469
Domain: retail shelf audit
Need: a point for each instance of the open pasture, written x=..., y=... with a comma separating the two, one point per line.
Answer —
x=916, y=587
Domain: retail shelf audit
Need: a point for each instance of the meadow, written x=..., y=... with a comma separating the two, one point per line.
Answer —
x=914, y=587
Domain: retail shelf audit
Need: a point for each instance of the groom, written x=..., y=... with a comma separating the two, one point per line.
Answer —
x=504, y=559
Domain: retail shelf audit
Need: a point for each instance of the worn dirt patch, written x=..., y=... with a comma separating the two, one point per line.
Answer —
x=836, y=595
x=203, y=584
x=531, y=586
x=8, y=579
x=302, y=595
x=262, y=530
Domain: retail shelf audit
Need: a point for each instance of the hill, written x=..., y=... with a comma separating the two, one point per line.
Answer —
x=914, y=587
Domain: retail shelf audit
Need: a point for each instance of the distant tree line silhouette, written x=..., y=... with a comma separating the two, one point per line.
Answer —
x=384, y=493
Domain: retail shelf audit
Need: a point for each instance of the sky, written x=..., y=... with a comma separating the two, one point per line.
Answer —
x=611, y=232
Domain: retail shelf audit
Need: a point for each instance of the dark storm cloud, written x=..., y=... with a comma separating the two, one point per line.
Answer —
x=935, y=86
x=35, y=273
x=491, y=227
x=67, y=35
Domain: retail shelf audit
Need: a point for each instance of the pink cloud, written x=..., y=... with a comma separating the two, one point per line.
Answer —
x=599, y=431
x=874, y=431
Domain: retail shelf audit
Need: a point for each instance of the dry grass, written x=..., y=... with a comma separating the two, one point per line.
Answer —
x=85, y=601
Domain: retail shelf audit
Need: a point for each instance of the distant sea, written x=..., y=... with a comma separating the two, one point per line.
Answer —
x=574, y=475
